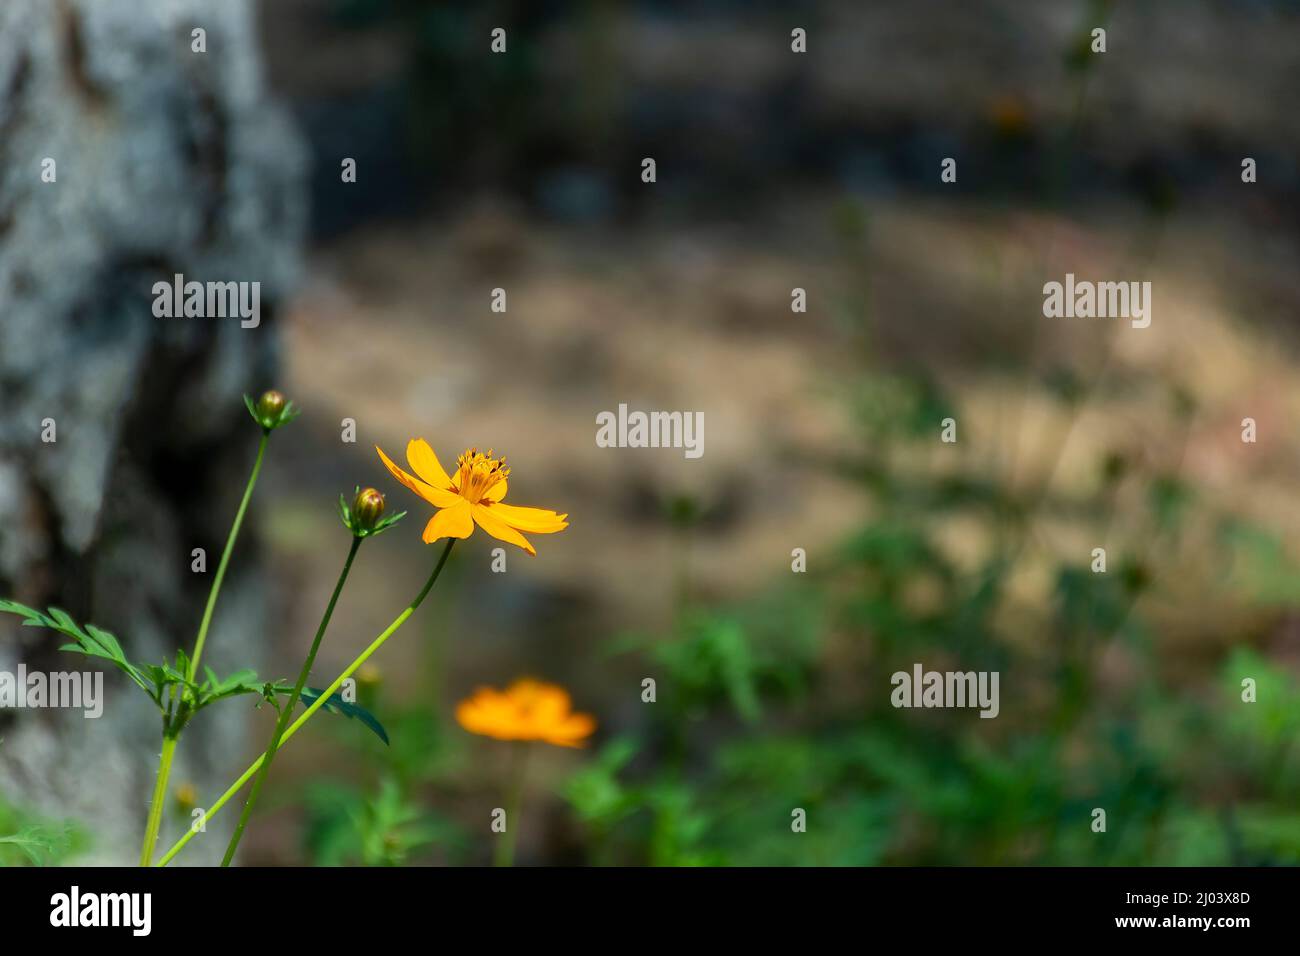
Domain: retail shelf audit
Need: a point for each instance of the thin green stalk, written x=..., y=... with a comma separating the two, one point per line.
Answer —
x=159, y=799
x=365, y=655
x=286, y=713
x=504, y=854
x=174, y=724
x=225, y=558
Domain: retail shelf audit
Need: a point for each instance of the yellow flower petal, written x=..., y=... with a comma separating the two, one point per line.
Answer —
x=452, y=522
x=573, y=731
x=533, y=520
x=496, y=492
x=435, y=496
x=527, y=710
x=543, y=704
x=499, y=529
x=425, y=464
x=483, y=713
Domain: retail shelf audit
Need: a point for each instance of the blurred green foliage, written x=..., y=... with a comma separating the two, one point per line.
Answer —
x=378, y=814
x=781, y=702
x=784, y=703
x=27, y=839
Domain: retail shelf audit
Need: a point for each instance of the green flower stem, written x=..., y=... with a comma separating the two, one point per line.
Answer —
x=159, y=799
x=365, y=655
x=504, y=854
x=225, y=558
x=173, y=725
x=286, y=712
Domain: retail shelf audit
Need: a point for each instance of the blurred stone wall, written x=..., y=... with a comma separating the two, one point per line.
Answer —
x=167, y=161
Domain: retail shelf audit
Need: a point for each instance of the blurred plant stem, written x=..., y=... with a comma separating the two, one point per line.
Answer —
x=320, y=701
x=286, y=712
x=435, y=651
x=504, y=855
x=682, y=576
x=174, y=721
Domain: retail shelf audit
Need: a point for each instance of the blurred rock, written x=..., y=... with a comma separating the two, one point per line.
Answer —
x=168, y=161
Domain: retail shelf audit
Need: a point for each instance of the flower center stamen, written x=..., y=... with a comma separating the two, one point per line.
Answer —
x=477, y=473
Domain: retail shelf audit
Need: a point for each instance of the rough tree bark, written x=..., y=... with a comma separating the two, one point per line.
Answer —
x=166, y=161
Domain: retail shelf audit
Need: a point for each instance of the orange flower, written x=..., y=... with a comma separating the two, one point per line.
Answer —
x=526, y=710
x=472, y=497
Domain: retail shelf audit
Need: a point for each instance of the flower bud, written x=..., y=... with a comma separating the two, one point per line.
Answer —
x=270, y=405
x=367, y=508
x=364, y=514
x=271, y=410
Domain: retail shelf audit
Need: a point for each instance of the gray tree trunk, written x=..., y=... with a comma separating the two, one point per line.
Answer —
x=167, y=161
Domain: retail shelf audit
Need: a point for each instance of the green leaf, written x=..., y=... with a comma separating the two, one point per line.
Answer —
x=245, y=677
x=241, y=682
x=91, y=641
x=106, y=641
x=337, y=705
x=38, y=844
x=386, y=522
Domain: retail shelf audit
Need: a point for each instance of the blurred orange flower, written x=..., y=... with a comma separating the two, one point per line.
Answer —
x=526, y=710
x=474, y=496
